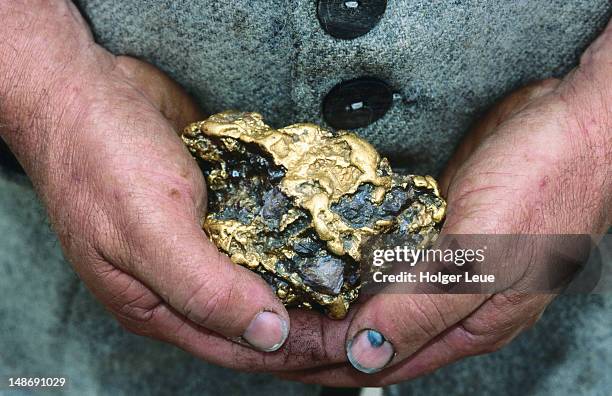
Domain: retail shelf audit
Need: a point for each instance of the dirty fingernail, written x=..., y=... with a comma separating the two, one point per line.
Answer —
x=267, y=332
x=369, y=351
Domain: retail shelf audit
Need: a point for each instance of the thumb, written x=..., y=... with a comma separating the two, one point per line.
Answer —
x=173, y=256
x=167, y=249
x=389, y=328
x=184, y=267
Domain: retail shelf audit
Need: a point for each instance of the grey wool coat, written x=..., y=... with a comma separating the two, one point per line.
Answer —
x=446, y=61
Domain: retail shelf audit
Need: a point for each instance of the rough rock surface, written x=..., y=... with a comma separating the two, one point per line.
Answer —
x=298, y=204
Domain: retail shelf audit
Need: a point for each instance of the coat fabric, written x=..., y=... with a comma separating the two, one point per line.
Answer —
x=448, y=61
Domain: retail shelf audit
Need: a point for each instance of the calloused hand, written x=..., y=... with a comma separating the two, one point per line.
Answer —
x=539, y=163
x=97, y=134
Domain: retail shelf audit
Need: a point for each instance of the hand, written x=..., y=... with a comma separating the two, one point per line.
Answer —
x=537, y=164
x=97, y=134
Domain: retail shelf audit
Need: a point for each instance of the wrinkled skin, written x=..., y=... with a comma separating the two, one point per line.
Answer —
x=538, y=163
x=97, y=135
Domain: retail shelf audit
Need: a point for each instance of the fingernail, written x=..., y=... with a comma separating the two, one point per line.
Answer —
x=369, y=351
x=267, y=332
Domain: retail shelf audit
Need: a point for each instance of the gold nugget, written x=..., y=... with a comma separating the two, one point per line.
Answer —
x=298, y=204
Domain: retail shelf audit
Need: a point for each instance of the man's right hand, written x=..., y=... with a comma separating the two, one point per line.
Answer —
x=97, y=135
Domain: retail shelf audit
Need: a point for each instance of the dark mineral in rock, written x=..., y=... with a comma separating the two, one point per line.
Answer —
x=298, y=204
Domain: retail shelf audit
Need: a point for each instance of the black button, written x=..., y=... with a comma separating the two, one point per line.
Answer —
x=347, y=19
x=357, y=103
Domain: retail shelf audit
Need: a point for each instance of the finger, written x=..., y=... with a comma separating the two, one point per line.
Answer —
x=161, y=91
x=312, y=343
x=170, y=253
x=314, y=340
x=391, y=327
x=492, y=326
x=152, y=231
x=441, y=351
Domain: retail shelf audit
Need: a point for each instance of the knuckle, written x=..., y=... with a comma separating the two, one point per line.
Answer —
x=129, y=299
x=508, y=299
x=103, y=270
x=210, y=300
x=494, y=328
x=419, y=318
x=505, y=306
x=140, y=320
x=134, y=311
x=202, y=302
x=477, y=343
x=427, y=316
